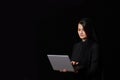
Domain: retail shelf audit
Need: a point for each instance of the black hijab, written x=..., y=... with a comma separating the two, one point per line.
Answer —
x=89, y=28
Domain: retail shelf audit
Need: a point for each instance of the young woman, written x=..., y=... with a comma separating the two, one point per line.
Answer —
x=85, y=55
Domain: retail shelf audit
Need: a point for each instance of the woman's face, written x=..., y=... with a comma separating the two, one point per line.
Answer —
x=81, y=32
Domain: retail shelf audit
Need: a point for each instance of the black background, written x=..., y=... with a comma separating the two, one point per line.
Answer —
x=34, y=29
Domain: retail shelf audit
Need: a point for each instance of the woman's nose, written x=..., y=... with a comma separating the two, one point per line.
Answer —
x=81, y=32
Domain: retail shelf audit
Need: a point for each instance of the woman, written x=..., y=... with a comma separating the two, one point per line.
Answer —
x=85, y=53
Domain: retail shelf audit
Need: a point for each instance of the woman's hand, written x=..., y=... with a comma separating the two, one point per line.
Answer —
x=76, y=66
x=64, y=70
x=74, y=63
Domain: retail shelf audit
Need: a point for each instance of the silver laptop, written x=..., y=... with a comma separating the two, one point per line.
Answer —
x=60, y=62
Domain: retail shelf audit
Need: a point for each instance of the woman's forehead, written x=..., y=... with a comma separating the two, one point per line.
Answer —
x=80, y=26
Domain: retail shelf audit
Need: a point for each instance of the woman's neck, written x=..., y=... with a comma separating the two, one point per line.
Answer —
x=83, y=40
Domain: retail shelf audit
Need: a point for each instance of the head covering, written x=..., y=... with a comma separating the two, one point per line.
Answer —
x=89, y=28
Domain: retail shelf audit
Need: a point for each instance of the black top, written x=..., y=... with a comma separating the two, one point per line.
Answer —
x=86, y=53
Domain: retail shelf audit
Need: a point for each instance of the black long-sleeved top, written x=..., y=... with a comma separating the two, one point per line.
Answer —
x=86, y=53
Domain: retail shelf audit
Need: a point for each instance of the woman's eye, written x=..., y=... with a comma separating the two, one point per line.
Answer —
x=79, y=29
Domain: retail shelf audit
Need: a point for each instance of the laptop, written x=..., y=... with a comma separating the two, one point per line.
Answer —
x=60, y=62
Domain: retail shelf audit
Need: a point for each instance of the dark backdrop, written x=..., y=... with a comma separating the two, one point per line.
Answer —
x=50, y=27
x=56, y=22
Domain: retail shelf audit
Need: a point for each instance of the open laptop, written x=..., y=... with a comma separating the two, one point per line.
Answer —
x=60, y=62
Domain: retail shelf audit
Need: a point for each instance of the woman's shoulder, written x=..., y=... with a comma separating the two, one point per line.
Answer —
x=92, y=44
x=95, y=45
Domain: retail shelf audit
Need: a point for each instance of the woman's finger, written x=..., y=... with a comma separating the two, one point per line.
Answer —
x=73, y=62
x=77, y=63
